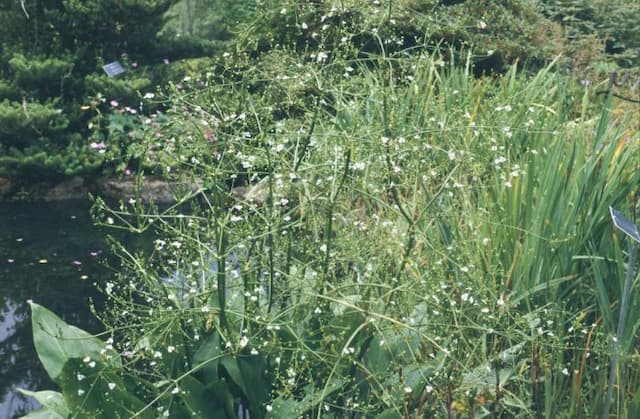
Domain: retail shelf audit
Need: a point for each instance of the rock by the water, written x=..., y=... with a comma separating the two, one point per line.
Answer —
x=151, y=190
x=6, y=187
x=71, y=188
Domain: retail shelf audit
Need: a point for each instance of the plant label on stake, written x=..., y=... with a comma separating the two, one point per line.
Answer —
x=113, y=69
x=625, y=225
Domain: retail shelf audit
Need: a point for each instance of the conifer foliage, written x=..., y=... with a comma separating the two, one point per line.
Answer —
x=51, y=54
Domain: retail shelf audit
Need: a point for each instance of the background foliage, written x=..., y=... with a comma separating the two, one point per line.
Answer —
x=54, y=95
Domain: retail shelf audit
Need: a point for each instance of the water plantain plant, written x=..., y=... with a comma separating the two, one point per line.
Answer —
x=426, y=244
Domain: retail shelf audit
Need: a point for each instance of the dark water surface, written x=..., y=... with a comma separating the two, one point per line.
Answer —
x=52, y=254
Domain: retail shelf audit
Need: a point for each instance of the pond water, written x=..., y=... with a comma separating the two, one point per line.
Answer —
x=52, y=254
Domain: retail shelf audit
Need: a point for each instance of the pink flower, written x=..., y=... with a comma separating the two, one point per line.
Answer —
x=114, y=103
x=166, y=61
x=98, y=146
x=77, y=262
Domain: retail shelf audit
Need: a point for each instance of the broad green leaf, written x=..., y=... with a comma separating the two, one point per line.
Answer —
x=207, y=358
x=95, y=389
x=348, y=302
x=415, y=376
x=247, y=373
x=377, y=358
x=389, y=414
x=43, y=413
x=56, y=342
x=53, y=404
x=221, y=388
x=200, y=401
x=391, y=348
x=289, y=407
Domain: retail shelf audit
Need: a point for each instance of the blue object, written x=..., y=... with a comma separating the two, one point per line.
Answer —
x=625, y=225
x=113, y=69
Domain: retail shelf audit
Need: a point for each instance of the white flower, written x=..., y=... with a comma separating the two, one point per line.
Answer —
x=80, y=392
x=408, y=390
x=565, y=371
x=322, y=56
x=111, y=386
x=171, y=348
x=269, y=408
x=243, y=341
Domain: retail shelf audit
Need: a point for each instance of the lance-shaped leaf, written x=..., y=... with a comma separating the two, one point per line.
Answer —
x=53, y=405
x=56, y=342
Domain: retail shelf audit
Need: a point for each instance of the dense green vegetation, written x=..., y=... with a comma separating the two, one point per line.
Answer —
x=57, y=106
x=403, y=212
x=60, y=115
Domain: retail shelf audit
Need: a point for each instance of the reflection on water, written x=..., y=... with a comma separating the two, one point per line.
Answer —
x=49, y=253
